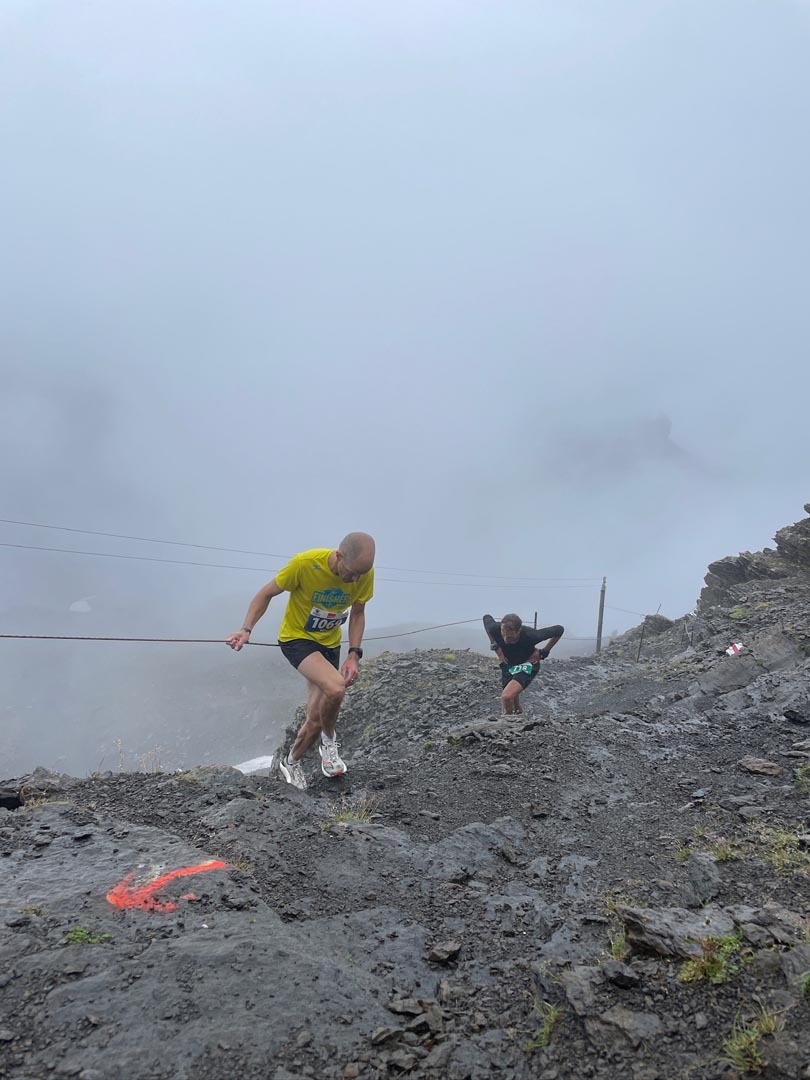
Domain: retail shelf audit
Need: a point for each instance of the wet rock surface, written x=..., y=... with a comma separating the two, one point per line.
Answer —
x=596, y=888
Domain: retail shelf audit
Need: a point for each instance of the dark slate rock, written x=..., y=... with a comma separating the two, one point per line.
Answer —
x=578, y=983
x=445, y=951
x=620, y=974
x=636, y=1026
x=673, y=931
x=704, y=878
x=795, y=964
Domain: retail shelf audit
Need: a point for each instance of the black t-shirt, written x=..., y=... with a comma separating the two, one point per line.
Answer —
x=520, y=651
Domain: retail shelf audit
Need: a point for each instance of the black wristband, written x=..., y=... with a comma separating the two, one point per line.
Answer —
x=358, y=650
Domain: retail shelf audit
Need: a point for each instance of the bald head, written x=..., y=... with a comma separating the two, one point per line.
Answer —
x=358, y=547
x=355, y=555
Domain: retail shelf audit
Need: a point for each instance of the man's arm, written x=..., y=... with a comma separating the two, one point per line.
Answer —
x=357, y=626
x=493, y=629
x=551, y=634
x=257, y=608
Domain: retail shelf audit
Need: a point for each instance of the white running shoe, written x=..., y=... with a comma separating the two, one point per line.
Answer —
x=331, y=762
x=293, y=773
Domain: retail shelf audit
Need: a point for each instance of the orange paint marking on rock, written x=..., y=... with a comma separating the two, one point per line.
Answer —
x=124, y=895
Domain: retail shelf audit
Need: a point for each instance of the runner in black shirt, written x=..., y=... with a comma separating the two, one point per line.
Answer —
x=517, y=648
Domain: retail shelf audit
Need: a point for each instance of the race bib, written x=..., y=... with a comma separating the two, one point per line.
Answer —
x=320, y=620
x=518, y=668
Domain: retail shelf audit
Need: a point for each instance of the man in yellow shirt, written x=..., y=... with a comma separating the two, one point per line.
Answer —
x=326, y=587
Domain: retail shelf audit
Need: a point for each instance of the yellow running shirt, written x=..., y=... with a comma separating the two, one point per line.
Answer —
x=319, y=600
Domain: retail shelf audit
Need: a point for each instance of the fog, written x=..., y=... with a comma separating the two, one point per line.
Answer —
x=517, y=288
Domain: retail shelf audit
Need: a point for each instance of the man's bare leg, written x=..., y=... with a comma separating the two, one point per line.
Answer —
x=325, y=692
x=510, y=698
x=313, y=713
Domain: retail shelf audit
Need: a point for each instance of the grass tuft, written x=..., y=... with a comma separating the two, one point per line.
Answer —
x=723, y=850
x=617, y=944
x=768, y=1021
x=547, y=1016
x=347, y=810
x=801, y=777
x=742, y=1048
x=79, y=936
x=717, y=964
x=781, y=849
x=615, y=896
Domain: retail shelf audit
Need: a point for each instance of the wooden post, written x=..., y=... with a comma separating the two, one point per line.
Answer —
x=535, y=620
x=601, y=616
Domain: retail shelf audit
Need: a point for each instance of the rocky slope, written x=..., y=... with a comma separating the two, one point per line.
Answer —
x=615, y=884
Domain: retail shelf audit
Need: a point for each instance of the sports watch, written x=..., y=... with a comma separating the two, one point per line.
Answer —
x=358, y=650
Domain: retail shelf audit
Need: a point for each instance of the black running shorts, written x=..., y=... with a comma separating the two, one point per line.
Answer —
x=522, y=673
x=300, y=648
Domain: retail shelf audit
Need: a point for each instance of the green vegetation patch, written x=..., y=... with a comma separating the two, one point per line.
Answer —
x=723, y=850
x=547, y=1016
x=717, y=964
x=742, y=1049
x=801, y=777
x=781, y=847
x=79, y=936
x=719, y=846
x=359, y=811
x=617, y=944
x=616, y=895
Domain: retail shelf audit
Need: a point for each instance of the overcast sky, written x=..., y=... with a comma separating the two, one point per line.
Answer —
x=520, y=288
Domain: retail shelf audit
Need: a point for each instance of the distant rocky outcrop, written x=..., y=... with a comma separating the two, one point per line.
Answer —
x=793, y=542
x=790, y=559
